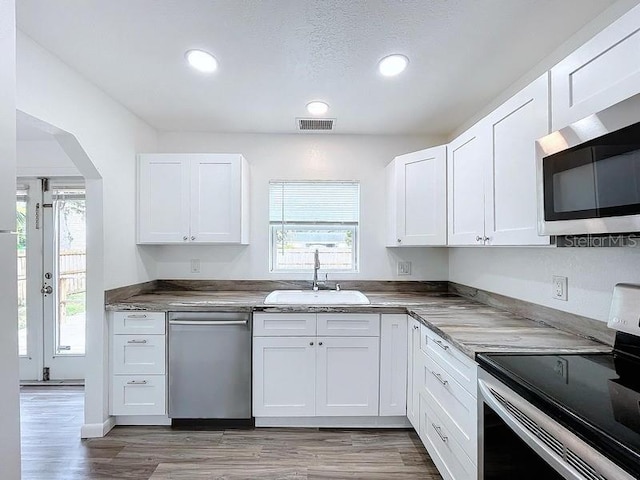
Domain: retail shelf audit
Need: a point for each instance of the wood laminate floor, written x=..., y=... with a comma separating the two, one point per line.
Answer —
x=52, y=449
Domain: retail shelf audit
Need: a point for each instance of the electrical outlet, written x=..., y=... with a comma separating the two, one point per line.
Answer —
x=195, y=265
x=404, y=268
x=559, y=288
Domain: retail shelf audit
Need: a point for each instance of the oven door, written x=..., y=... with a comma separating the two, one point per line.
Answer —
x=518, y=441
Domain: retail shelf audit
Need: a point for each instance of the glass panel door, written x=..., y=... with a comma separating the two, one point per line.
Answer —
x=21, y=228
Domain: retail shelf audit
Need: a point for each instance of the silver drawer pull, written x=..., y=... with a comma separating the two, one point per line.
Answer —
x=441, y=345
x=438, y=430
x=440, y=379
x=137, y=382
x=137, y=316
x=136, y=341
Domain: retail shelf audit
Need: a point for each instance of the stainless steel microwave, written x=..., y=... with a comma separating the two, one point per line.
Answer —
x=588, y=174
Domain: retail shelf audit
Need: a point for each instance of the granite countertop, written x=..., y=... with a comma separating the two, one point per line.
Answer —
x=471, y=326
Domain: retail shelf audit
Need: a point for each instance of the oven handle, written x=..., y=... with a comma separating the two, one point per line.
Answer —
x=607, y=468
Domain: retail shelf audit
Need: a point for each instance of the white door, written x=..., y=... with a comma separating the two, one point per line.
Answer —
x=163, y=198
x=347, y=376
x=216, y=198
x=284, y=376
x=421, y=197
x=467, y=157
x=52, y=292
x=413, y=352
x=510, y=181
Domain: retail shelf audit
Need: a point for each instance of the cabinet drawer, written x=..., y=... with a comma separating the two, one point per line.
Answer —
x=450, y=458
x=457, y=409
x=149, y=323
x=457, y=364
x=138, y=354
x=284, y=324
x=349, y=324
x=138, y=395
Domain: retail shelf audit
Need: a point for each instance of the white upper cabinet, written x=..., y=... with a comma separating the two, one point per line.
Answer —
x=466, y=163
x=193, y=198
x=602, y=72
x=510, y=177
x=492, y=176
x=417, y=199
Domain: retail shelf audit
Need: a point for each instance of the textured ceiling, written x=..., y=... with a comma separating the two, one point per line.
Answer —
x=277, y=55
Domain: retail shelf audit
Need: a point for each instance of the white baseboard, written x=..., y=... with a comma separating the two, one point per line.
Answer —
x=97, y=430
x=142, y=420
x=335, y=422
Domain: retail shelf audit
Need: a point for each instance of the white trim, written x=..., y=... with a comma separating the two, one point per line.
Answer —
x=142, y=420
x=97, y=430
x=335, y=422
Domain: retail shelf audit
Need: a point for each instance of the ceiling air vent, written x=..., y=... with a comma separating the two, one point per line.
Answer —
x=315, y=124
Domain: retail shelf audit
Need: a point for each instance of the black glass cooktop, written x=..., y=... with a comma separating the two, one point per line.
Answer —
x=597, y=396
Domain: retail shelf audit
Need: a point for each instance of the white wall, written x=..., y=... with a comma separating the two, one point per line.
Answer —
x=302, y=157
x=37, y=158
x=102, y=138
x=9, y=406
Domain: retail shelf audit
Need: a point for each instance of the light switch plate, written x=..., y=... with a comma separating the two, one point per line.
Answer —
x=195, y=265
x=404, y=268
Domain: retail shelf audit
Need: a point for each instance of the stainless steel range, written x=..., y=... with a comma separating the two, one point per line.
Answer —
x=548, y=416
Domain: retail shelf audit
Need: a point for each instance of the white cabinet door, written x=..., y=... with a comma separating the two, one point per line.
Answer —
x=163, y=198
x=216, y=198
x=393, y=365
x=284, y=376
x=347, y=376
x=510, y=176
x=467, y=157
x=602, y=72
x=419, y=198
x=413, y=370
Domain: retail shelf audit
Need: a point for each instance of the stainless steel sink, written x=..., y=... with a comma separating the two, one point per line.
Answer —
x=320, y=297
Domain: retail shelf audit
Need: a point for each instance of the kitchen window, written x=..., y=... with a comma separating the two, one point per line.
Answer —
x=305, y=216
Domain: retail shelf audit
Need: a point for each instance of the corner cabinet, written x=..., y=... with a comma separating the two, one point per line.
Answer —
x=193, y=198
x=602, y=72
x=491, y=173
x=417, y=198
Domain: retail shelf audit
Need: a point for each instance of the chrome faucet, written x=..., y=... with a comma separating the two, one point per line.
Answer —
x=316, y=267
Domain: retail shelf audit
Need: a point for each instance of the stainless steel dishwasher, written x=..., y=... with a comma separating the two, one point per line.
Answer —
x=210, y=365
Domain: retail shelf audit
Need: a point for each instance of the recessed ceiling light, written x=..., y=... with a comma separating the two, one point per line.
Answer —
x=317, y=108
x=202, y=61
x=393, y=65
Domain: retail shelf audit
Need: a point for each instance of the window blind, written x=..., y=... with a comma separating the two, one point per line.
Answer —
x=314, y=202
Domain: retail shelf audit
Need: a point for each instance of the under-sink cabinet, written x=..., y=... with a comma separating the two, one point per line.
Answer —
x=443, y=405
x=328, y=365
x=138, y=363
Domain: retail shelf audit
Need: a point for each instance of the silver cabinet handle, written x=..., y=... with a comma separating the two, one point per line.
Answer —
x=440, y=379
x=399, y=240
x=320, y=343
x=438, y=430
x=137, y=382
x=478, y=238
x=136, y=341
x=185, y=238
x=193, y=238
x=416, y=327
x=441, y=345
x=311, y=343
x=485, y=239
x=137, y=316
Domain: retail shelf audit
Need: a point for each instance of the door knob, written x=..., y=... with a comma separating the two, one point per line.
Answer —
x=47, y=290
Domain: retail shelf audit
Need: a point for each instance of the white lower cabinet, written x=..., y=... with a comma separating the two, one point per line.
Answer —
x=284, y=376
x=413, y=367
x=138, y=384
x=336, y=374
x=393, y=365
x=444, y=403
